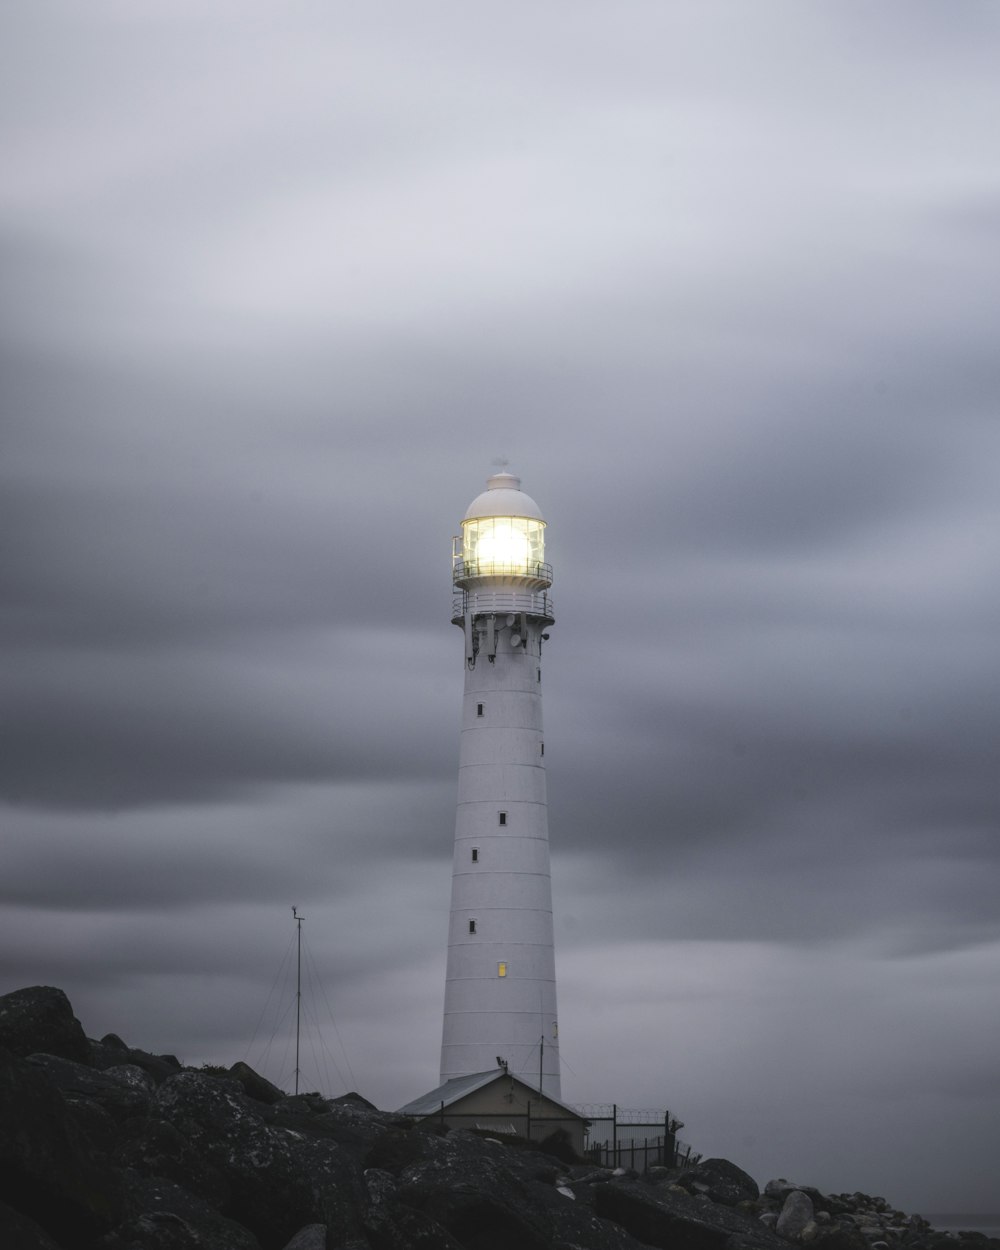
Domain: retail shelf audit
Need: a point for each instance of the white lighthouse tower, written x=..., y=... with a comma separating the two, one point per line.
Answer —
x=500, y=990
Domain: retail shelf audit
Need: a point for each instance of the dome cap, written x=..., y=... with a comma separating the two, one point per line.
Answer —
x=503, y=496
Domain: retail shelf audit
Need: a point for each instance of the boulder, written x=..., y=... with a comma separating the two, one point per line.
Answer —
x=104, y=1055
x=40, y=1018
x=405, y=1229
x=657, y=1216
x=354, y=1099
x=480, y=1217
x=846, y=1236
x=721, y=1181
x=352, y=1123
x=487, y=1195
x=116, y=1095
x=796, y=1213
x=255, y=1086
x=133, y=1076
x=334, y=1186
x=152, y=1147
x=17, y=1230
x=780, y=1188
x=47, y=1170
x=312, y=1237
x=395, y=1150
x=99, y=1129
x=279, y=1180
x=161, y=1216
x=381, y=1186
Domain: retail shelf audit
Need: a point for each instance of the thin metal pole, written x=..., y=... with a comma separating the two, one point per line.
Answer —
x=298, y=994
x=541, y=1061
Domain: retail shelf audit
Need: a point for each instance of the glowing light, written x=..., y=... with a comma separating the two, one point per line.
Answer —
x=505, y=545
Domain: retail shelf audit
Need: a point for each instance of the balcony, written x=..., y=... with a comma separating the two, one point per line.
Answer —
x=465, y=571
x=501, y=601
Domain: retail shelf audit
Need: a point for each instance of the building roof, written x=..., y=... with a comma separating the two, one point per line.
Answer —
x=459, y=1086
x=449, y=1092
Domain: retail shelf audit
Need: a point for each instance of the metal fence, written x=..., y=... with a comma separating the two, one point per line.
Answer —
x=633, y=1137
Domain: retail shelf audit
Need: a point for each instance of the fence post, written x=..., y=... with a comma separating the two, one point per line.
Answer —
x=527, y=1127
x=614, y=1132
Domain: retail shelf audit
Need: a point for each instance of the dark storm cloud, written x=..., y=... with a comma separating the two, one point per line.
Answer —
x=110, y=730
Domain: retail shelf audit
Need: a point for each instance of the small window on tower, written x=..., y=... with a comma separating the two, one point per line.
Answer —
x=472, y=926
x=542, y=751
x=479, y=709
x=501, y=970
x=475, y=854
x=539, y=675
x=503, y=817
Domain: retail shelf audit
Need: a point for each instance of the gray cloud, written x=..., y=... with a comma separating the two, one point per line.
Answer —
x=720, y=282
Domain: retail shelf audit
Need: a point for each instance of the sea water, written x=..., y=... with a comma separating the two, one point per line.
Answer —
x=955, y=1221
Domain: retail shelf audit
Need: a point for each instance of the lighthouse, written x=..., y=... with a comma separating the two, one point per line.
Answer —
x=500, y=988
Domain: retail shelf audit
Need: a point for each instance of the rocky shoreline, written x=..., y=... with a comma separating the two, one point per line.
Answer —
x=105, y=1147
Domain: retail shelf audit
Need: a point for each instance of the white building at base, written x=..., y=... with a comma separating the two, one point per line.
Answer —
x=500, y=990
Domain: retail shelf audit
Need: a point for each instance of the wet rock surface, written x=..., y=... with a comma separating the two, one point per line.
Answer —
x=105, y=1147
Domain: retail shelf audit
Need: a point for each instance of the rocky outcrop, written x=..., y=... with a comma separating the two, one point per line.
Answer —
x=719, y=1180
x=804, y=1216
x=40, y=1019
x=104, y=1147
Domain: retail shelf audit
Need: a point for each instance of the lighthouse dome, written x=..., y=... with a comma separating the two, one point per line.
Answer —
x=503, y=496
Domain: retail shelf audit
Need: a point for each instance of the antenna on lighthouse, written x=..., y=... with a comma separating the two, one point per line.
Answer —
x=298, y=992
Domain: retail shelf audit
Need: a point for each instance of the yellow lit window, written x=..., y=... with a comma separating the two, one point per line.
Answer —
x=501, y=970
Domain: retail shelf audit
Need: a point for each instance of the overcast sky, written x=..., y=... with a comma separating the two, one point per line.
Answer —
x=722, y=282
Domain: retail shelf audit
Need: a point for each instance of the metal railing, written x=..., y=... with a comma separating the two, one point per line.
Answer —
x=536, y=569
x=534, y=603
